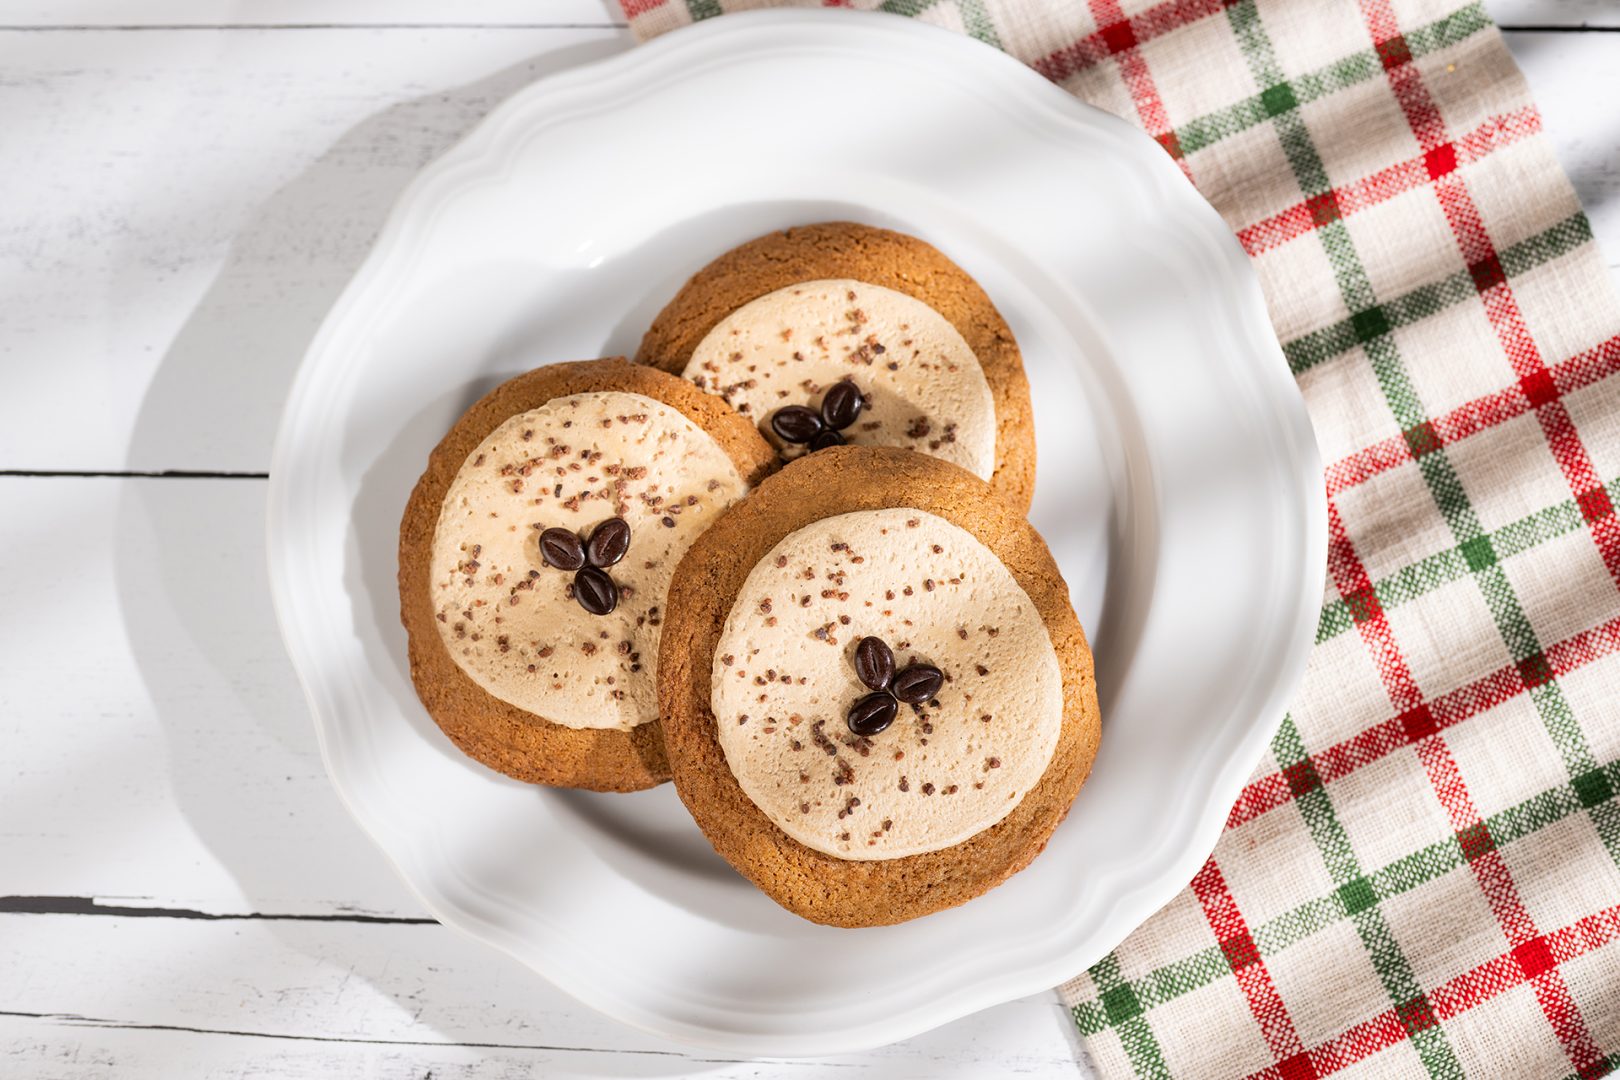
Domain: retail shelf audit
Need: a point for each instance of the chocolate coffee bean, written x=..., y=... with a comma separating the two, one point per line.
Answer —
x=917, y=683
x=826, y=439
x=842, y=404
x=595, y=591
x=562, y=549
x=871, y=714
x=795, y=424
x=608, y=543
x=874, y=663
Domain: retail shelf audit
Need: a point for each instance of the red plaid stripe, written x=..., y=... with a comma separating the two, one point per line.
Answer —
x=1350, y=577
x=1373, y=744
x=1118, y=34
x=1385, y=184
x=1482, y=414
x=1512, y=968
x=1457, y=203
x=1347, y=573
x=1252, y=977
x=1495, y=882
x=1474, y=241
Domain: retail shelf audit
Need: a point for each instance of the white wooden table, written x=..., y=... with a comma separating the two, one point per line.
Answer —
x=185, y=186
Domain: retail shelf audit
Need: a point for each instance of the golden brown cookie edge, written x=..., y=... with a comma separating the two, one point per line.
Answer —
x=500, y=735
x=812, y=884
x=845, y=249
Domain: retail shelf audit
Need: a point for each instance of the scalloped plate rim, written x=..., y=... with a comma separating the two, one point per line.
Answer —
x=1153, y=886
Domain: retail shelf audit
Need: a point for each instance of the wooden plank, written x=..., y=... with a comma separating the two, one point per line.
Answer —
x=138, y=998
x=1569, y=14
x=158, y=750
x=182, y=209
x=232, y=14
x=91, y=1049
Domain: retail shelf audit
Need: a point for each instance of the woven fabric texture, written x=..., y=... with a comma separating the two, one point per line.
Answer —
x=1423, y=876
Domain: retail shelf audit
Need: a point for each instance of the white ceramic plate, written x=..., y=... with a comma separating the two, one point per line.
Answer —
x=1179, y=487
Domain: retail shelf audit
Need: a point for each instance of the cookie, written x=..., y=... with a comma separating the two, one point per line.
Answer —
x=775, y=323
x=861, y=783
x=534, y=555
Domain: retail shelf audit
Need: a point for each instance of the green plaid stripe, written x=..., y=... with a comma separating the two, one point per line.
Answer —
x=978, y=22
x=1456, y=563
x=1359, y=900
x=1118, y=1006
x=1373, y=330
x=1356, y=894
x=1309, y=350
x=1393, y=967
x=1611, y=1064
x=1359, y=67
x=909, y=8
x=976, y=18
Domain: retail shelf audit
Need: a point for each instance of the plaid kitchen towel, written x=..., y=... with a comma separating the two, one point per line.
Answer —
x=1423, y=876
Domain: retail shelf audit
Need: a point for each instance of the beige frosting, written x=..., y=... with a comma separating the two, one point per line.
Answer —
x=924, y=388
x=784, y=679
x=508, y=619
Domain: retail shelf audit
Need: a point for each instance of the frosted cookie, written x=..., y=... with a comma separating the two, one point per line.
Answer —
x=534, y=558
x=876, y=698
x=777, y=325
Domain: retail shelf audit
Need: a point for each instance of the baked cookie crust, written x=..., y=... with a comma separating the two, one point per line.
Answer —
x=815, y=885
x=843, y=249
x=503, y=736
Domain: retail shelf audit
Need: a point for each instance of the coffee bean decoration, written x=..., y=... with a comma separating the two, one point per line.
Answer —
x=595, y=591
x=874, y=666
x=795, y=424
x=874, y=663
x=826, y=439
x=608, y=543
x=872, y=713
x=589, y=559
x=917, y=683
x=562, y=549
x=842, y=405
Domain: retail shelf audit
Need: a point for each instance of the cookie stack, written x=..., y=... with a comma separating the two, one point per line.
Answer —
x=781, y=559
